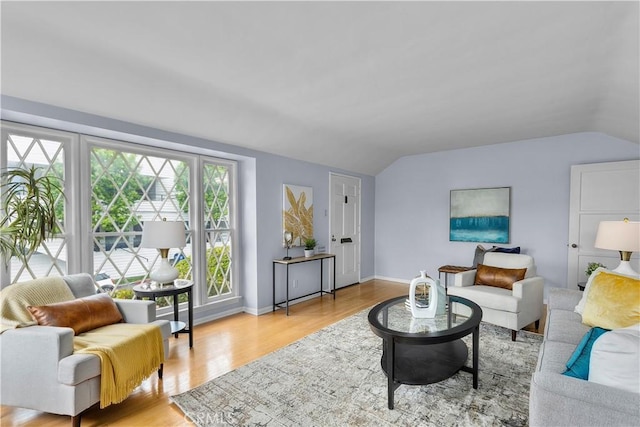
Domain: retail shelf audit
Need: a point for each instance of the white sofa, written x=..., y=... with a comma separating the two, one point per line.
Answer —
x=40, y=371
x=511, y=309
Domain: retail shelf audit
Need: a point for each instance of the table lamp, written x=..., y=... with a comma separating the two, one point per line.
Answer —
x=163, y=235
x=622, y=236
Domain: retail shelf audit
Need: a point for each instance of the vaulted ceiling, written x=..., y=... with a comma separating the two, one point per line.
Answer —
x=352, y=85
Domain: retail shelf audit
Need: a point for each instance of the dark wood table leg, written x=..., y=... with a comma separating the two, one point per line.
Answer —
x=176, y=317
x=321, y=279
x=287, y=289
x=476, y=351
x=391, y=386
x=334, y=277
x=190, y=310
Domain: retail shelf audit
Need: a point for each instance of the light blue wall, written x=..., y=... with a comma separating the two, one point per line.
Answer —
x=260, y=179
x=405, y=209
x=412, y=201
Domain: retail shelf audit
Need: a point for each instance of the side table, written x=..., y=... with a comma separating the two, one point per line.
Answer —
x=178, y=287
x=451, y=269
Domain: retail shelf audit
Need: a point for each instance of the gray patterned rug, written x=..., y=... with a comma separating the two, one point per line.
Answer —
x=333, y=378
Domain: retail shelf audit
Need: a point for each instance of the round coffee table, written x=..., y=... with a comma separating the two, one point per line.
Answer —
x=424, y=351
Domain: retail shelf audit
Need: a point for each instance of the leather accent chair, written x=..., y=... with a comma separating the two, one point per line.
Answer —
x=510, y=308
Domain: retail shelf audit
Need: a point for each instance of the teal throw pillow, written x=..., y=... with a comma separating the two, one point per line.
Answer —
x=578, y=363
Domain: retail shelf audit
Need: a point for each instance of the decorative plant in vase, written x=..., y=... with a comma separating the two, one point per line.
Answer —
x=309, y=246
x=593, y=266
x=28, y=214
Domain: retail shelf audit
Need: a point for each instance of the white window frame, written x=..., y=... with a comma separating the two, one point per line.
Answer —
x=78, y=232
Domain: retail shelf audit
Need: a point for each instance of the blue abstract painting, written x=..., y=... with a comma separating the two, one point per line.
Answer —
x=480, y=215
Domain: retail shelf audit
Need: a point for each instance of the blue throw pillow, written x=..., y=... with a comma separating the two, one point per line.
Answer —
x=515, y=250
x=578, y=363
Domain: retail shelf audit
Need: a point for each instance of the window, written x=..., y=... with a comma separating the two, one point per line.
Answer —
x=217, y=223
x=24, y=148
x=122, y=186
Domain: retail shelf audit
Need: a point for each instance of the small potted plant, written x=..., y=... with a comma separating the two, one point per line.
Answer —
x=593, y=266
x=309, y=246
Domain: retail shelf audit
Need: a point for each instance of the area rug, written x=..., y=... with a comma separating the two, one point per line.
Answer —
x=333, y=378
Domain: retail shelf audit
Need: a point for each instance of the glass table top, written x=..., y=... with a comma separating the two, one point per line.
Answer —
x=395, y=316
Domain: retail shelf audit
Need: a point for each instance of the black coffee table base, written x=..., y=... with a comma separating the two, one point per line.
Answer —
x=421, y=364
x=415, y=353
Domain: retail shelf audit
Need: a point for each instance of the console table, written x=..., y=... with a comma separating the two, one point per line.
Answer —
x=299, y=260
x=178, y=287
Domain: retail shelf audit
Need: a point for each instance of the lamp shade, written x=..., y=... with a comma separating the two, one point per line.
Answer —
x=163, y=234
x=621, y=236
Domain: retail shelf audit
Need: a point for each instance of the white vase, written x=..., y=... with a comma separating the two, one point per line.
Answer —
x=308, y=253
x=430, y=311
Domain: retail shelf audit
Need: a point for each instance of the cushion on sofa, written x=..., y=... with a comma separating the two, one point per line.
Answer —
x=565, y=326
x=615, y=359
x=587, y=287
x=515, y=250
x=478, y=256
x=490, y=297
x=500, y=277
x=578, y=363
x=82, y=314
x=613, y=301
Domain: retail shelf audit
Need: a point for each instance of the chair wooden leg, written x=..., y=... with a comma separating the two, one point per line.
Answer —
x=513, y=335
x=160, y=370
x=75, y=420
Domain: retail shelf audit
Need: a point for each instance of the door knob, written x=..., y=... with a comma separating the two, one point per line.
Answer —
x=573, y=245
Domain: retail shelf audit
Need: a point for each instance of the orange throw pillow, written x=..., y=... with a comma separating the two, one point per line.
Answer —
x=81, y=314
x=498, y=277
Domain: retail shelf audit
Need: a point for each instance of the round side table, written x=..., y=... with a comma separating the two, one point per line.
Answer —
x=178, y=287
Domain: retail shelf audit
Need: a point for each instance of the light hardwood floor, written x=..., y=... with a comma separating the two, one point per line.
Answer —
x=219, y=347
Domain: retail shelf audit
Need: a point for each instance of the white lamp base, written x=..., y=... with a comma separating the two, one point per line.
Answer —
x=165, y=273
x=625, y=268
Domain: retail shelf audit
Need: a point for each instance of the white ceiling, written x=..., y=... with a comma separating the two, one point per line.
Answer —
x=351, y=85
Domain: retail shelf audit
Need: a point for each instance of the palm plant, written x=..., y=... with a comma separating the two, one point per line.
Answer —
x=28, y=211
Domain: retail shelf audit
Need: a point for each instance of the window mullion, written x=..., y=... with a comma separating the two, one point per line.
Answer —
x=196, y=211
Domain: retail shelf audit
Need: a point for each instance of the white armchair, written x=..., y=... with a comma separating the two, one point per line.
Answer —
x=512, y=309
x=40, y=371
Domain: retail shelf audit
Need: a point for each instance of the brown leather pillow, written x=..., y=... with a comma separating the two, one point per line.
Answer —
x=81, y=314
x=499, y=277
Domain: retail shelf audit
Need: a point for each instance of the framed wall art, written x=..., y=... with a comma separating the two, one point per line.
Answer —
x=297, y=212
x=480, y=215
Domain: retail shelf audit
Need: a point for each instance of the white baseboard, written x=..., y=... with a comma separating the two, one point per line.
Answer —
x=394, y=279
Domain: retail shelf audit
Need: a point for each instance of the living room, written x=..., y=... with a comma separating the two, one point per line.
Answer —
x=475, y=125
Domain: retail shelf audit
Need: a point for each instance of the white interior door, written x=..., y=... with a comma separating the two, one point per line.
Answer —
x=345, y=228
x=600, y=192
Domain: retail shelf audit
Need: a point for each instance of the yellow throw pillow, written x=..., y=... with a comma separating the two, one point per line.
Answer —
x=613, y=301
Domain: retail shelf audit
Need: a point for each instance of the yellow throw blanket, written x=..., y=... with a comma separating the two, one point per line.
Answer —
x=129, y=353
x=15, y=298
